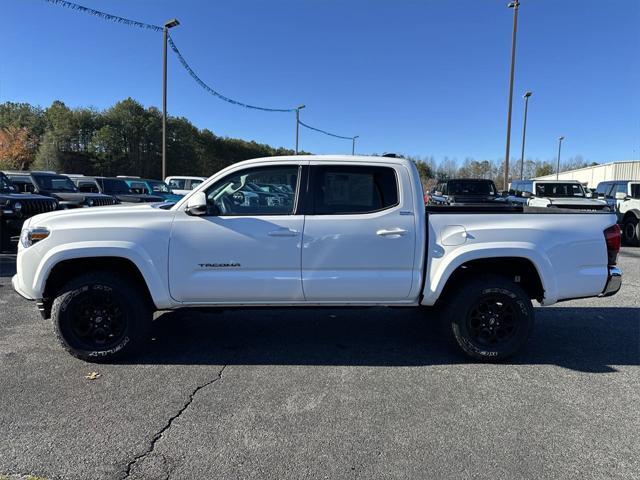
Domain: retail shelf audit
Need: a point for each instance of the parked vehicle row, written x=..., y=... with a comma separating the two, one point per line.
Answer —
x=466, y=191
x=353, y=232
x=555, y=194
x=24, y=194
x=15, y=208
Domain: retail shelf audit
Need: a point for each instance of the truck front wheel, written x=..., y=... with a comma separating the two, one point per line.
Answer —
x=631, y=231
x=490, y=318
x=99, y=317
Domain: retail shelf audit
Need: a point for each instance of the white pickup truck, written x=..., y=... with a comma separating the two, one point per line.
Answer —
x=355, y=233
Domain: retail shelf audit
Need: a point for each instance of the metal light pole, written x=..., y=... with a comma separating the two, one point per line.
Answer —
x=300, y=107
x=165, y=33
x=515, y=5
x=524, y=131
x=353, y=144
x=559, y=148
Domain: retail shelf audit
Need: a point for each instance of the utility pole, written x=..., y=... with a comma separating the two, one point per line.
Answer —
x=165, y=33
x=515, y=5
x=560, y=139
x=353, y=145
x=524, y=131
x=298, y=108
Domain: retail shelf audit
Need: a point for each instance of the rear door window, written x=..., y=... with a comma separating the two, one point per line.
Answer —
x=343, y=189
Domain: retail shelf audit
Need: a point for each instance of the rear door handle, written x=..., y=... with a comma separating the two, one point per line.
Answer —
x=283, y=232
x=397, y=232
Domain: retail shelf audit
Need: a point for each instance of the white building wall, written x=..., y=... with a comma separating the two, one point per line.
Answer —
x=591, y=176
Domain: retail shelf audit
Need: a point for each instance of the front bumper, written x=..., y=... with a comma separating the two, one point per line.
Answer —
x=614, y=282
x=15, y=283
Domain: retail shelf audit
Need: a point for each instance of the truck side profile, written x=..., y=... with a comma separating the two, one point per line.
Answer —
x=354, y=233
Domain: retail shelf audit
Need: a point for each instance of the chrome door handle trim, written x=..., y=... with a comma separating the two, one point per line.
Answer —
x=393, y=231
x=283, y=232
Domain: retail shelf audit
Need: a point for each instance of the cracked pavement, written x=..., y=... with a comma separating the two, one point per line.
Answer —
x=326, y=393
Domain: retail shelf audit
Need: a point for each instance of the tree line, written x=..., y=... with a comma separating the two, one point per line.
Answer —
x=126, y=139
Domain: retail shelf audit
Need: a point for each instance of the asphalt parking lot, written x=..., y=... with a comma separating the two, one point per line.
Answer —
x=326, y=394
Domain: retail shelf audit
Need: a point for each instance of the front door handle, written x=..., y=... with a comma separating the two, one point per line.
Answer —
x=392, y=232
x=283, y=232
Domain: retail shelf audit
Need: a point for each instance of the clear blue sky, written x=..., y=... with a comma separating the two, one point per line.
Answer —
x=419, y=77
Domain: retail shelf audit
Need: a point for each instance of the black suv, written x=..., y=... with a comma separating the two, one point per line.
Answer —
x=466, y=191
x=15, y=208
x=116, y=187
x=59, y=187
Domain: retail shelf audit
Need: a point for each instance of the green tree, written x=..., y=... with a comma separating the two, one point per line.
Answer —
x=543, y=169
x=49, y=156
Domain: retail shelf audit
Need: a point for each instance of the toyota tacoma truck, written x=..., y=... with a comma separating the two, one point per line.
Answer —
x=356, y=234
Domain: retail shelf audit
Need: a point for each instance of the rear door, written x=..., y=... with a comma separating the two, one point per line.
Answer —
x=359, y=235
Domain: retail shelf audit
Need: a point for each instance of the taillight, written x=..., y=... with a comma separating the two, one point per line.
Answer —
x=612, y=237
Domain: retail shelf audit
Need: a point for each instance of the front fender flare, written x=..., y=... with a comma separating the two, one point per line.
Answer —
x=127, y=250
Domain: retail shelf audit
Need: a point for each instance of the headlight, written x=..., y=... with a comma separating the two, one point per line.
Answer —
x=90, y=202
x=32, y=235
x=17, y=206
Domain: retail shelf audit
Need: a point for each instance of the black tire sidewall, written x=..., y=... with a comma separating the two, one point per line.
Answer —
x=634, y=240
x=466, y=301
x=136, y=317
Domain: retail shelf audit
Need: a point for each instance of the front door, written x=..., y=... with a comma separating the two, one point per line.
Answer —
x=247, y=248
x=359, y=235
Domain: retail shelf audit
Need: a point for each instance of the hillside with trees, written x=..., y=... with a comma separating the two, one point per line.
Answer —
x=126, y=139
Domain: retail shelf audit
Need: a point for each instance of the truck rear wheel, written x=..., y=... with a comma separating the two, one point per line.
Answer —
x=490, y=318
x=99, y=317
x=631, y=231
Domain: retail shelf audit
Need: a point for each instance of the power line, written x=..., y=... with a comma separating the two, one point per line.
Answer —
x=104, y=15
x=200, y=82
x=157, y=28
x=325, y=132
x=183, y=61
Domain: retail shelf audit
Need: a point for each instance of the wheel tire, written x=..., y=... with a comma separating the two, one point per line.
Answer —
x=481, y=328
x=631, y=231
x=99, y=317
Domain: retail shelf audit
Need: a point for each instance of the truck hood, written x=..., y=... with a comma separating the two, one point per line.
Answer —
x=470, y=198
x=138, y=198
x=576, y=201
x=74, y=197
x=19, y=197
x=83, y=214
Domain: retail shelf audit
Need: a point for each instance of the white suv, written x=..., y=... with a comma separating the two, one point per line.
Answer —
x=183, y=185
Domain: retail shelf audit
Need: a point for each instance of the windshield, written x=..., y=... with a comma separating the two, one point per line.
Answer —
x=462, y=187
x=159, y=187
x=5, y=185
x=559, y=190
x=54, y=183
x=114, y=185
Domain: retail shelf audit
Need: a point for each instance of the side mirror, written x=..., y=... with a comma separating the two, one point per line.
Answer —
x=504, y=193
x=588, y=195
x=437, y=193
x=621, y=196
x=197, y=204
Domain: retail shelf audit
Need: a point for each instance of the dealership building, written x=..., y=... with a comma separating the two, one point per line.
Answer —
x=591, y=176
